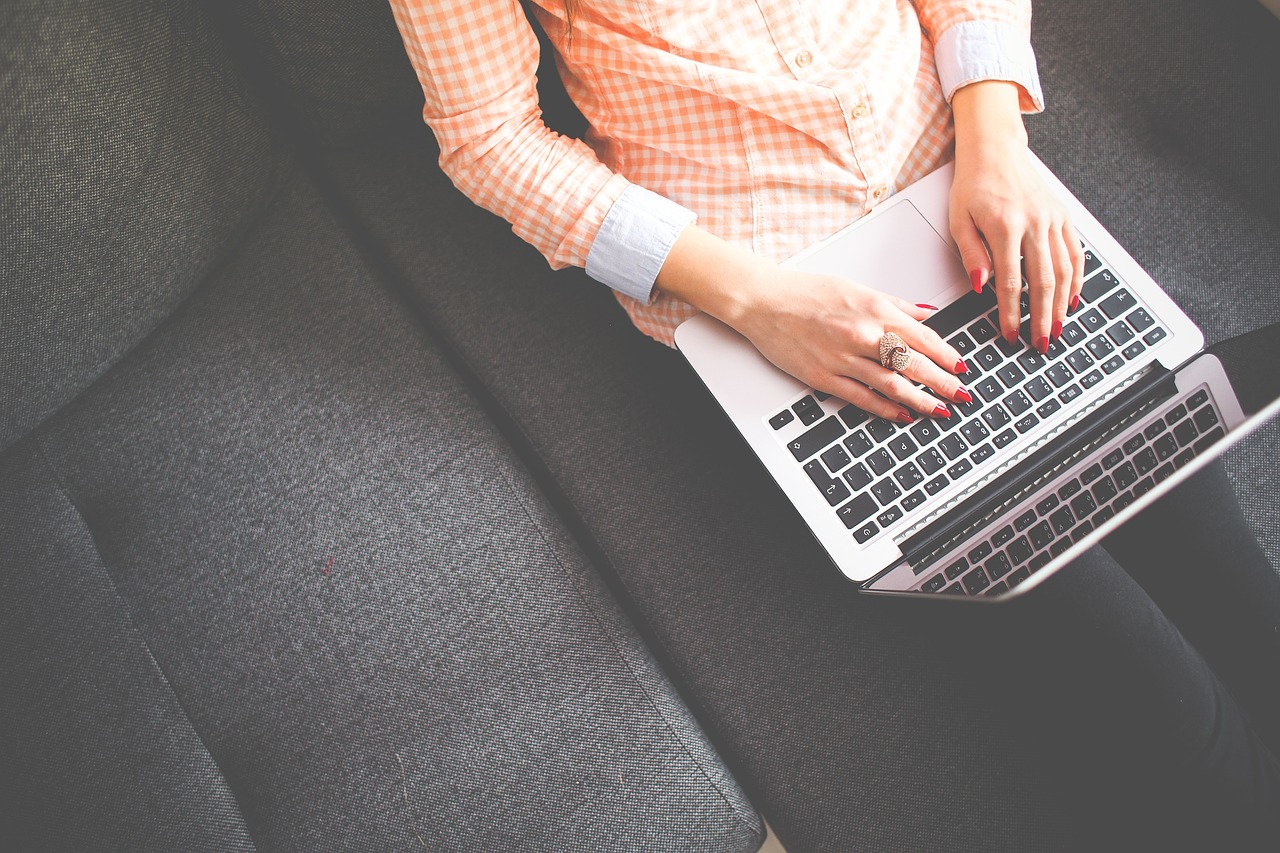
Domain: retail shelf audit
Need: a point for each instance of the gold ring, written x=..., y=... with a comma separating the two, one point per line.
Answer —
x=894, y=352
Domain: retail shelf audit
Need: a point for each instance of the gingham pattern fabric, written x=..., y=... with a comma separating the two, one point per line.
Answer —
x=777, y=121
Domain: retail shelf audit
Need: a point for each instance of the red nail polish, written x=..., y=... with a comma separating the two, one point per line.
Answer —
x=1011, y=336
x=941, y=411
x=926, y=306
x=1057, y=330
x=961, y=368
x=1074, y=303
x=977, y=278
x=962, y=395
x=904, y=418
x=1043, y=345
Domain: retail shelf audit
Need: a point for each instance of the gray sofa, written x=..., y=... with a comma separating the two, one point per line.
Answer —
x=330, y=518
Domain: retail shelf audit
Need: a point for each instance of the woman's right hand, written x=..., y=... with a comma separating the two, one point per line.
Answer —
x=823, y=330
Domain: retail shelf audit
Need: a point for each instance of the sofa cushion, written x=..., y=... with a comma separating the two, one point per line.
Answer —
x=129, y=161
x=334, y=608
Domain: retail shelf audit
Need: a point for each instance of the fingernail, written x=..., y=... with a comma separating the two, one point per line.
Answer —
x=904, y=418
x=1043, y=345
x=926, y=306
x=1011, y=336
x=960, y=368
x=1074, y=303
x=1057, y=330
x=962, y=395
x=977, y=278
x=941, y=411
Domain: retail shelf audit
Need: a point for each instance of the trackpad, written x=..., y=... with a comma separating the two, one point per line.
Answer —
x=896, y=251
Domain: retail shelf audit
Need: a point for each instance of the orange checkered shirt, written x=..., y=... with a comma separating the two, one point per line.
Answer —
x=772, y=122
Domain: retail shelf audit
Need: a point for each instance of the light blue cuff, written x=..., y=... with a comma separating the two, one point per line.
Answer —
x=986, y=50
x=634, y=240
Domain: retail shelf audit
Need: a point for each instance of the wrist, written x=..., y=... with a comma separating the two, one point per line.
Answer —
x=988, y=120
x=724, y=280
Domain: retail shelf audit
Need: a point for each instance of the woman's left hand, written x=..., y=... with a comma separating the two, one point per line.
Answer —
x=1002, y=203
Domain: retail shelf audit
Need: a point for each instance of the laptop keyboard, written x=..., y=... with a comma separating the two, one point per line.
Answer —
x=1078, y=498
x=874, y=473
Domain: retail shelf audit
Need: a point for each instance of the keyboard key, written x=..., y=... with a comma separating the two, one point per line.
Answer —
x=866, y=531
x=936, y=485
x=835, y=458
x=836, y=492
x=934, y=583
x=1143, y=486
x=1069, y=489
x=981, y=552
x=1132, y=445
x=931, y=461
x=1205, y=418
x=1038, y=388
x=1093, y=377
x=1145, y=461
x=1030, y=361
x=1039, y=561
x=1117, y=303
x=912, y=500
x=1083, y=530
x=1140, y=320
x=886, y=491
x=982, y=454
x=1113, y=459
x=1017, y=403
x=1133, y=350
x=998, y=566
x=1048, y=408
x=953, y=446
x=985, y=359
x=955, y=315
x=1104, y=515
x=781, y=419
x=964, y=466
x=976, y=581
x=1003, y=535
x=852, y=415
x=974, y=432
x=902, y=446
x=1091, y=473
x=996, y=417
x=1154, y=336
x=858, y=443
x=1185, y=433
x=1153, y=429
x=964, y=410
x=1084, y=505
x=1010, y=375
x=1100, y=347
x=1004, y=438
x=1092, y=320
x=807, y=410
x=1020, y=550
x=1072, y=334
x=857, y=511
x=982, y=331
x=1104, y=490
x=1091, y=262
x=1112, y=364
x=880, y=430
x=1008, y=350
x=1056, y=350
x=1026, y=423
x=1163, y=473
x=1120, y=333
x=880, y=461
x=1041, y=535
x=1069, y=393
x=816, y=438
x=989, y=389
x=1183, y=458
x=821, y=395
x=1097, y=286
x=1025, y=520
x=1165, y=446
x=954, y=589
x=925, y=431
x=858, y=477
x=1175, y=414
x=1125, y=476
x=1018, y=577
x=1047, y=505
x=889, y=516
x=962, y=344
x=956, y=568
x=1059, y=374
x=1080, y=361
x=1198, y=399
x=908, y=475
x=1059, y=546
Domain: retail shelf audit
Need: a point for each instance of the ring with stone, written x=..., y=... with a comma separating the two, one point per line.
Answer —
x=894, y=352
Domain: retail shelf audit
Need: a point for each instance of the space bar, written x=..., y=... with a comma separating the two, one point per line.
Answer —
x=963, y=310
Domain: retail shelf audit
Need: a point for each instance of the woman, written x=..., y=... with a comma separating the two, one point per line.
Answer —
x=726, y=136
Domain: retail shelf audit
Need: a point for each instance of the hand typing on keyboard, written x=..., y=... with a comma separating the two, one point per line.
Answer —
x=1004, y=215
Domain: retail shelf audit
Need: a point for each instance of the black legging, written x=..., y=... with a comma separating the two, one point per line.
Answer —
x=1173, y=656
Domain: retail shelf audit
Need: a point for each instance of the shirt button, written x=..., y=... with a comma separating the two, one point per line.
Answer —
x=804, y=58
x=860, y=111
x=879, y=191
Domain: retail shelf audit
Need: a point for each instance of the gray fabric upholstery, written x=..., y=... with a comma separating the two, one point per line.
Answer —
x=128, y=162
x=772, y=649
x=326, y=580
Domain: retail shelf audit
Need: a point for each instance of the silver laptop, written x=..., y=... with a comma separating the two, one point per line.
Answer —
x=1055, y=450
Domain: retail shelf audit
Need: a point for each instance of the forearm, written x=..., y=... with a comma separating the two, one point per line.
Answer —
x=988, y=121
x=714, y=275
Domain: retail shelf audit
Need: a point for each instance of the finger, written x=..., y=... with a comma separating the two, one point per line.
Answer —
x=914, y=310
x=1076, y=252
x=1042, y=282
x=942, y=383
x=929, y=344
x=1064, y=272
x=973, y=251
x=852, y=391
x=1005, y=250
x=897, y=387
